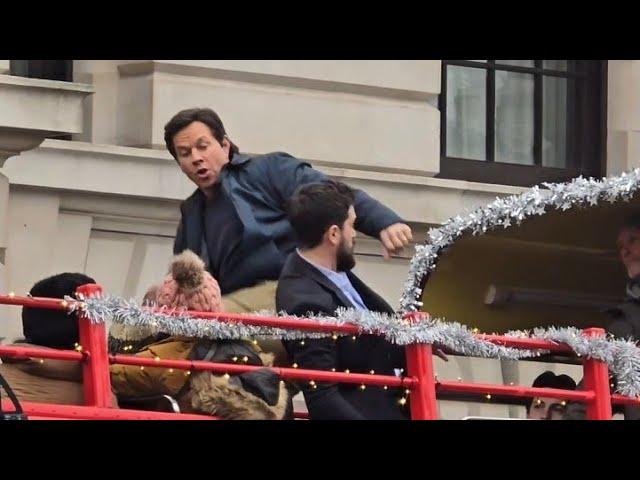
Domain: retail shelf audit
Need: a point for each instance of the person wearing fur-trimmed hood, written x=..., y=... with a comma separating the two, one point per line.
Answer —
x=255, y=395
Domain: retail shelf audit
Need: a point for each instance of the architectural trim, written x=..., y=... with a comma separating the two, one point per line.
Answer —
x=287, y=81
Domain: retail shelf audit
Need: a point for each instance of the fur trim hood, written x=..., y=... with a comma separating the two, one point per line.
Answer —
x=228, y=398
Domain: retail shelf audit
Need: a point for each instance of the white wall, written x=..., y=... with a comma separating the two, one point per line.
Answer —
x=623, y=112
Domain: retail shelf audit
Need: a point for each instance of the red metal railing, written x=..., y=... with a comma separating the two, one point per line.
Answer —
x=420, y=381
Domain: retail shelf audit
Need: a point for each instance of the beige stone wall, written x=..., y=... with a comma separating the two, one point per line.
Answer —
x=30, y=109
x=371, y=114
x=46, y=105
x=623, y=116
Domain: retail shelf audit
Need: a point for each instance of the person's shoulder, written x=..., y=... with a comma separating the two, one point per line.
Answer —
x=270, y=160
x=292, y=269
x=298, y=294
x=191, y=200
x=275, y=156
x=627, y=310
x=295, y=278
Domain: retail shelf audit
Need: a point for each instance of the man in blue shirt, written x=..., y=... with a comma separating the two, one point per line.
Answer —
x=317, y=279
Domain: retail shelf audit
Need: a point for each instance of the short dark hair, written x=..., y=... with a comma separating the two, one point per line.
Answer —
x=631, y=222
x=315, y=207
x=184, y=118
x=53, y=328
x=549, y=379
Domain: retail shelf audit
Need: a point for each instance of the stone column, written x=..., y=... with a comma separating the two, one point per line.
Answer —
x=30, y=110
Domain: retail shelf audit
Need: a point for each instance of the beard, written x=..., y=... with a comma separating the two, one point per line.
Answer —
x=345, y=259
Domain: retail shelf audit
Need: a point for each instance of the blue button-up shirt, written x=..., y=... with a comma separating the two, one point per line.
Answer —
x=340, y=280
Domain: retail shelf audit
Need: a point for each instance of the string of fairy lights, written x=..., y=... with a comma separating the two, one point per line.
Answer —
x=622, y=357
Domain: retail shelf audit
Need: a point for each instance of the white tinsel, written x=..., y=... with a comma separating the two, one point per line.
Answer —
x=454, y=336
x=622, y=357
x=505, y=212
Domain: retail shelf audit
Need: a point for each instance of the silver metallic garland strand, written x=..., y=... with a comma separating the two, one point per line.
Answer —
x=454, y=336
x=504, y=212
x=621, y=356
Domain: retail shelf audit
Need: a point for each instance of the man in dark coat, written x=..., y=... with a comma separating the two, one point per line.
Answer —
x=317, y=279
x=236, y=220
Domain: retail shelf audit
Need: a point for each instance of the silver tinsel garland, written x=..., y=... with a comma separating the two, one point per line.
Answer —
x=622, y=357
x=504, y=212
x=454, y=336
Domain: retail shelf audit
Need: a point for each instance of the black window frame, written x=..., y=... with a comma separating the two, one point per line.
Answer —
x=60, y=70
x=586, y=126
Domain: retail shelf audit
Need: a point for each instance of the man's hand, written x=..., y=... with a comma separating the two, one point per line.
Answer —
x=394, y=238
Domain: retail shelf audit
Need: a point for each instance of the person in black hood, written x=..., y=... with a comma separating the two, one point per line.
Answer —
x=549, y=408
x=625, y=317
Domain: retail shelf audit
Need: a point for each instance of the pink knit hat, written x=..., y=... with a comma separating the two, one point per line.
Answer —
x=189, y=285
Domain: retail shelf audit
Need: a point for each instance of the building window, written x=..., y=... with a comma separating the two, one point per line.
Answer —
x=521, y=122
x=61, y=70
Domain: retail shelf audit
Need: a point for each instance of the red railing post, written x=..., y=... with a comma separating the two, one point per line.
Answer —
x=596, y=378
x=95, y=368
x=424, y=405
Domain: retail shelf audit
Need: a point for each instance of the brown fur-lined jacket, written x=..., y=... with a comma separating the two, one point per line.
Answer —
x=257, y=395
x=46, y=380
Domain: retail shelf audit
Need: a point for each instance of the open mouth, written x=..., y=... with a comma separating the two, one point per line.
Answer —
x=202, y=173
